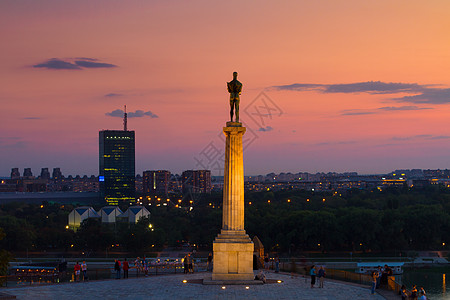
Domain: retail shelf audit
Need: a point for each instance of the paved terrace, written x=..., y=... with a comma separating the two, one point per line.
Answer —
x=172, y=287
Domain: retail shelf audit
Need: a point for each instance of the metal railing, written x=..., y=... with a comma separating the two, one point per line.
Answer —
x=96, y=274
x=330, y=273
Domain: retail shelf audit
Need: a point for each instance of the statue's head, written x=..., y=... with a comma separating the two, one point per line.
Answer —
x=234, y=75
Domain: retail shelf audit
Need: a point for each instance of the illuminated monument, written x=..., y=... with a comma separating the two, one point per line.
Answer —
x=233, y=249
x=117, y=165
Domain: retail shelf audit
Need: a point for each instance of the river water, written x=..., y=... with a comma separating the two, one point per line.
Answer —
x=434, y=280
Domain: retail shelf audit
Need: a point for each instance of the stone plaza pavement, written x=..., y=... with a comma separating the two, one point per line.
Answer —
x=172, y=287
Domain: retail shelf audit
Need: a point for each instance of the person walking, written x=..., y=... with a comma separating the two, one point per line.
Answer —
x=117, y=268
x=209, y=266
x=379, y=274
x=125, y=268
x=77, y=271
x=422, y=295
x=84, y=270
x=312, y=273
x=414, y=293
x=277, y=264
x=137, y=265
x=185, y=264
x=266, y=262
x=374, y=282
x=404, y=292
x=145, y=264
x=422, y=291
x=190, y=265
x=321, y=275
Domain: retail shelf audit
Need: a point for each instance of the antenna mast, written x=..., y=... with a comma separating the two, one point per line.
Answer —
x=125, y=119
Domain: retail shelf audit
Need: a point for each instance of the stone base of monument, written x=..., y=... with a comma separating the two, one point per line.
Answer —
x=234, y=124
x=233, y=257
x=209, y=281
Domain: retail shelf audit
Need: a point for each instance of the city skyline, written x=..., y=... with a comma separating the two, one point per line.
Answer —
x=352, y=86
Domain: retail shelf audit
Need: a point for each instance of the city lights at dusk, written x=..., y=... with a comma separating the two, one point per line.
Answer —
x=357, y=86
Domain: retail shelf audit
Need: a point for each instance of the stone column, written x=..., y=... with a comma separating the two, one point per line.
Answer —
x=233, y=181
x=233, y=249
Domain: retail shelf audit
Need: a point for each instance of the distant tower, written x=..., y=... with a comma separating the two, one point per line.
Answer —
x=45, y=174
x=125, y=115
x=56, y=175
x=15, y=174
x=117, y=165
x=27, y=172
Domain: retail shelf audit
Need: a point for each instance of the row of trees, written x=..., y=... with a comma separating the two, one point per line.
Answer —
x=285, y=221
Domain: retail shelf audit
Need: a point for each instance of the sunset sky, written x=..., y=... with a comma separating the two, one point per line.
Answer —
x=328, y=85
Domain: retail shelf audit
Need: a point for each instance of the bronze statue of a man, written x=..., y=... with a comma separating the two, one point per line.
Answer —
x=234, y=88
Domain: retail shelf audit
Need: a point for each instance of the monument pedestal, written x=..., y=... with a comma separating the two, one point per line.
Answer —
x=233, y=249
x=233, y=256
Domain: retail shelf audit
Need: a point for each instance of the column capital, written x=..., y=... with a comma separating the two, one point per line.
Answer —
x=234, y=130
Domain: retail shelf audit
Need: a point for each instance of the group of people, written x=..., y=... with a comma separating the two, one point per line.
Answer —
x=414, y=294
x=142, y=265
x=80, y=271
x=263, y=265
x=320, y=274
x=119, y=266
x=380, y=276
x=267, y=263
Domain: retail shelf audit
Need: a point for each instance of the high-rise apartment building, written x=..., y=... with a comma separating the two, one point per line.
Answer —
x=15, y=173
x=117, y=165
x=56, y=174
x=196, y=181
x=156, y=182
x=27, y=173
x=45, y=174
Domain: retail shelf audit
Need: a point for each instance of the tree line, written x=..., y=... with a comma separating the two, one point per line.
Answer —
x=290, y=221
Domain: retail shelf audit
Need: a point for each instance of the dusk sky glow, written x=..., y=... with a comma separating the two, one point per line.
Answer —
x=353, y=85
